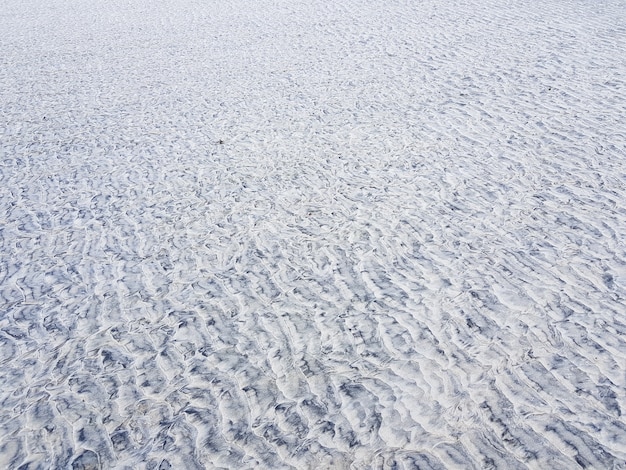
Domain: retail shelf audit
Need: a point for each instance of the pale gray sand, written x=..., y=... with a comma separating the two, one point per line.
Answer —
x=287, y=234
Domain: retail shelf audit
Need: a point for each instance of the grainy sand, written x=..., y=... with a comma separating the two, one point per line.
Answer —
x=313, y=235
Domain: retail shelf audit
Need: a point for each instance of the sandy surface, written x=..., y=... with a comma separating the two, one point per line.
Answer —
x=289, y=234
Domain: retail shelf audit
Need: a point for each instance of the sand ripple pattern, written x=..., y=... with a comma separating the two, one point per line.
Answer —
x=312, y=235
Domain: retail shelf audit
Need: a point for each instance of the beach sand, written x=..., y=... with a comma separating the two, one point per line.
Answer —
x=312, y=235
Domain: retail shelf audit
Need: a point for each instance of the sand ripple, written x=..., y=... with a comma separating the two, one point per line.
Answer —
x=312, y=234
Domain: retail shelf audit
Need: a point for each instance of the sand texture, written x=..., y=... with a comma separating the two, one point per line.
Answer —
x=287, y=234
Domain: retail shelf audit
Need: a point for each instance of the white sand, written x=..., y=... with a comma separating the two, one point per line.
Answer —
x=312, y=234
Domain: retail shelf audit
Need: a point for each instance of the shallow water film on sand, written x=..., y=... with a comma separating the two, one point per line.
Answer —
x=312, y=235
